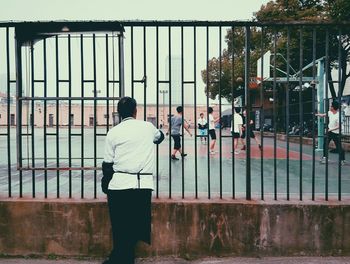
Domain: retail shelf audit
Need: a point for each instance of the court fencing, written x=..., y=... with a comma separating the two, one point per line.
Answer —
x=61, y=82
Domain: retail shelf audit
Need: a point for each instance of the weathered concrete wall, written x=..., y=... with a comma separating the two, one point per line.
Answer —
x=180, y=228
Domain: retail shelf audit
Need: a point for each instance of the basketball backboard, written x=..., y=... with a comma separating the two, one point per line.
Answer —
x=264, y=71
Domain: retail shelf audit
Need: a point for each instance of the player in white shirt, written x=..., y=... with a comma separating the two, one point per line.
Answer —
x=333, y=132
x=236, y=128
x=212, y=133
x=128, y=168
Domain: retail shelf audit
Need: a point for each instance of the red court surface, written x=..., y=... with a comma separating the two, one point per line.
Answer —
x=255, y=153
x=268, y=153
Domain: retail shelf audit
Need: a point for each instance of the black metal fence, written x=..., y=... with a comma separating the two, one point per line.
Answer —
x=59, y=90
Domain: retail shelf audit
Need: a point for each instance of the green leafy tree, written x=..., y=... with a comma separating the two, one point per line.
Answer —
x=232, y=65
x=317, y=11
x=284, y=11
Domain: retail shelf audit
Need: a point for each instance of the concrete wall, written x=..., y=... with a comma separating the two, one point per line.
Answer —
x=180, y=228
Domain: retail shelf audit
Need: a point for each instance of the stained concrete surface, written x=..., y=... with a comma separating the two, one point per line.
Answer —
x=271, y=260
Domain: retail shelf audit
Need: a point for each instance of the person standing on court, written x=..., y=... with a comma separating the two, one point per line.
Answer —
x=128, y=168
x=333, y=132
x=212, y=133
x=236, y=128
x=202, y=126
x=251, y=133
x=176, y=123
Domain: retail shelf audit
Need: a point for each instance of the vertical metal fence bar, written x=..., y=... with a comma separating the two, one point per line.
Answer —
x=144, y=75
x=195, y=111
x=169, y=115
x=274, y=118
x=95, y=112
x=19, y=84
x=183, y=116
x=288, y=112
x=57, y=118
x=32, y=119
x=8, y=112
x=82, y=114
x=132, y=61
x=157, y=91
x=121, y=61
x=262, y=116
x=207, y=84
x=313, y=109
x=326, y=107
x=69, y=114
x=301, y=119
x=220, y=132
x=248, y=108
x=107, y=83
x=45, y=117
x=340, y=152
x=233, y=111
x=19, y=93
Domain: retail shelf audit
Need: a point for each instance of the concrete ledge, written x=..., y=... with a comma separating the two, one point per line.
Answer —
x=180, y=228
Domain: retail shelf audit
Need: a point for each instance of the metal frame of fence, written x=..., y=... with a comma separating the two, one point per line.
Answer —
x=91, y=31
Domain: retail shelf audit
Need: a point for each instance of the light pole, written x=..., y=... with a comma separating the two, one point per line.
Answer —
x=163, y=92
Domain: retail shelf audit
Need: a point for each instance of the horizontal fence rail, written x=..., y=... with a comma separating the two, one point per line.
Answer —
x=280, y=78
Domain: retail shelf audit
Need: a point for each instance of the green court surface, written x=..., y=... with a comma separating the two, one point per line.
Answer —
x=217, y=174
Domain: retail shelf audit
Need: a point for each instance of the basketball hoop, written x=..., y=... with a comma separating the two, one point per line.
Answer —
x=254, y=82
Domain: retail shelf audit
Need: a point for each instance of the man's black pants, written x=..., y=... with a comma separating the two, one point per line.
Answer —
x=130, y=214
x=337, y=142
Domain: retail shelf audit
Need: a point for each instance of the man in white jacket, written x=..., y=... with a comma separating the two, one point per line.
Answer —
x=128, y=180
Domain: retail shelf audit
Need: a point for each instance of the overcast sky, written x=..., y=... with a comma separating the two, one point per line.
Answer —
x=129, y=9
x=204, y=10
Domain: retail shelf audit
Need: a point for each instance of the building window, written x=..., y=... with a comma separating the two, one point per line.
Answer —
x=12, y=121
x=50, y=120
x=91, y=121
x=71, y=120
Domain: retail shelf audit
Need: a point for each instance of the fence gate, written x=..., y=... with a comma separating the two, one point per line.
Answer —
x=62, y=67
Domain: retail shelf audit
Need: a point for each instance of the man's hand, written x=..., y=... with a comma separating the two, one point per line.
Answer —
x=320, y=114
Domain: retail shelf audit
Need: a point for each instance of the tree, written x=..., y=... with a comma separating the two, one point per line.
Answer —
x=231, y=78
x=285, y=11
x=317, y=11
x=230, y=87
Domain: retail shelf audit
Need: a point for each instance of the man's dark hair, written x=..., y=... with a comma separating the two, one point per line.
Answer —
x=335, y=105
x=179, y=109
x=126, y=107
x=210, y=110
x=238, y=110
